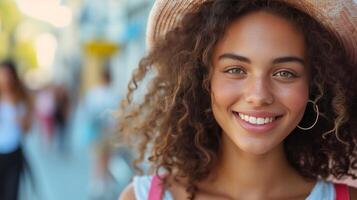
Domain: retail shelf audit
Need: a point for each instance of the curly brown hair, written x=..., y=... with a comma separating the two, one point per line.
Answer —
x=174, y=123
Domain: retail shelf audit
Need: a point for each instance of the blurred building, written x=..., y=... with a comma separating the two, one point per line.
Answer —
x=111, y=31
x=68, y=43
x=69, y=40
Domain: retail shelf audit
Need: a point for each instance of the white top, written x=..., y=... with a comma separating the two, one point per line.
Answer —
x=322, y=190
x=10, y=128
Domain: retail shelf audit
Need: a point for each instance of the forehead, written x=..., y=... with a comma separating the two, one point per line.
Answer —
x=3, y=69
x=5, y=72
x=262, y=32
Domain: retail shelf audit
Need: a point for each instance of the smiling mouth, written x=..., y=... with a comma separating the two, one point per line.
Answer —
x=256, y=120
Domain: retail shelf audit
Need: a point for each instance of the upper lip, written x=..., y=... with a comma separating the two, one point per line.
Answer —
x=262, y=114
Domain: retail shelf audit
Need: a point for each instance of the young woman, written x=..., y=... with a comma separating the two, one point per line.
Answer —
x=15, y=120
x=249, y=100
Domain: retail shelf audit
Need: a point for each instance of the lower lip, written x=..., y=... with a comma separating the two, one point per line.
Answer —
x=257, y=128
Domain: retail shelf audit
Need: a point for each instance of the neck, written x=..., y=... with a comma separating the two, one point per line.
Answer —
x=240, y=172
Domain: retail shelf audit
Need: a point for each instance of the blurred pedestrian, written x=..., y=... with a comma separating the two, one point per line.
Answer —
x=15, y=121
x=99, y=104
x=45, y=108
x=61, y=115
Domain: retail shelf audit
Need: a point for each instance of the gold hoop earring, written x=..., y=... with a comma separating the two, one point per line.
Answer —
x=317, y=117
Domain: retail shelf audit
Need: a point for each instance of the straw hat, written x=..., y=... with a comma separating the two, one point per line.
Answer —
x=340, y=16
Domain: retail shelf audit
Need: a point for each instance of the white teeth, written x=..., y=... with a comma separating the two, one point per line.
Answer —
x=253, y=120
x=266, y=120
x=260, y=121
x=256, y=120
x=246, y=118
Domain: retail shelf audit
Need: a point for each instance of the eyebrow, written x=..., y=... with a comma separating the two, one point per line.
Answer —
x=275, y=61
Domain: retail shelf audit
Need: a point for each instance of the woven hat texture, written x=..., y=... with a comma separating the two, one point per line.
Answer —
x=339, y=16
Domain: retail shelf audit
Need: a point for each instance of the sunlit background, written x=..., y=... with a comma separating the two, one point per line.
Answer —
x=62, y=48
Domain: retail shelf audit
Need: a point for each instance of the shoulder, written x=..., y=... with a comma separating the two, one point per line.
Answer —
x=353, y=192
x=138, y=188
x=128, y=193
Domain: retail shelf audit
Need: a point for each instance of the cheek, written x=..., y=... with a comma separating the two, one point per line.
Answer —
x=295, y=98
x=5, y=78
x=224, y=93
x=3, y=81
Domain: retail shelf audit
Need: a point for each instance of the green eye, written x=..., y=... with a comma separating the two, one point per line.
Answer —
x=235, y=70
x=285, y=74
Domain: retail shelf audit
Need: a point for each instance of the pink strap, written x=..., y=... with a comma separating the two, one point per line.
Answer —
x=156, y=188
x=342, y=192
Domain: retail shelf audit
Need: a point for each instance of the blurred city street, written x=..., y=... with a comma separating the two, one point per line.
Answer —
x=53, y=174
x=57, y=175
x=74, y=59
x=64, y=174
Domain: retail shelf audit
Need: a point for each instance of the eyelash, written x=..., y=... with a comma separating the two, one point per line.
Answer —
x=240, y=71
x=230, y=70
x=289, y=74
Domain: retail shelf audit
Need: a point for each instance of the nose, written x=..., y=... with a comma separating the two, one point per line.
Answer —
x=258, y=92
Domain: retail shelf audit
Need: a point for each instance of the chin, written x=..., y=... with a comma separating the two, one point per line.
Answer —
x=256, y=149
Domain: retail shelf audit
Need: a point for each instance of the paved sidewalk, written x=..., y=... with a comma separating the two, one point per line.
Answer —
x=65, y=175
x=58, y=176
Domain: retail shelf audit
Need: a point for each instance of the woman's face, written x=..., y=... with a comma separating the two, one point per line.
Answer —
x=5, y=79
x=259, y=85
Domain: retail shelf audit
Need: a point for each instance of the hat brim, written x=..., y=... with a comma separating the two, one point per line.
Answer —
x=338, y=16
